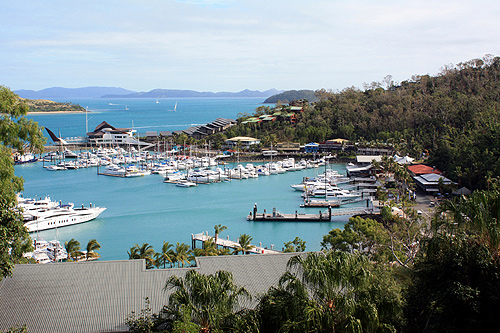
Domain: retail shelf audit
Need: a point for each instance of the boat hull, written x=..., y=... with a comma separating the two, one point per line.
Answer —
x=70, y=217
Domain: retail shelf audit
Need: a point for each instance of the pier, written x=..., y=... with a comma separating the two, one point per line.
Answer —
x=227, y=243
x=277, y=216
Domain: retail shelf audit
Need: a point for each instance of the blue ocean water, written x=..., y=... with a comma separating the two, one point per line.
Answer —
x=144, y=114
x=146, y=210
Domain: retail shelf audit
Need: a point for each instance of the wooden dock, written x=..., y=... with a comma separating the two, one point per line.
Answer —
x=227, y=243
x=297, y=217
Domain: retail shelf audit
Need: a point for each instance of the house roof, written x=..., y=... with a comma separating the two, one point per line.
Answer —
x=98, y=296
x=100, y=129
x=431, y=179
x=421, y=169
x=242, y=139
x=368, y=158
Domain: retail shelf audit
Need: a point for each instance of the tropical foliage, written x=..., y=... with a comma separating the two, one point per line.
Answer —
x=73, y=249
x=297, y=245
x=244, y=244
x=331, y=292
x=16, y=133
x=453, y=118
x=92, y=247
x=209, y=300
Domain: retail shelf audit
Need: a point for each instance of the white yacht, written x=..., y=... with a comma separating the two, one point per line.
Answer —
x=185, y=183
x=114, y=170
x=59, y=217
x=134, y=171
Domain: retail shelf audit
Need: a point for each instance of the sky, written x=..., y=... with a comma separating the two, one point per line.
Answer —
x=231, y=45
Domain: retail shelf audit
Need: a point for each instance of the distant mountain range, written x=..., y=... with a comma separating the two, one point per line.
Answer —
x=169, y=93
x=113, y=92
x=58, y=92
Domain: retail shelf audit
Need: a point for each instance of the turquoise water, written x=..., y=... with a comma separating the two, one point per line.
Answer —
x=146, y=210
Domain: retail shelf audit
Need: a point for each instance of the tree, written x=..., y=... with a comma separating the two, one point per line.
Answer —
x=218, y=229
x=145, y=251
x=73, y=249
x=244, y=244
x=455, y=286
x=211, y=299
x=297, y=245
x=363, y=235
x=208, y=249
x=478, y=213
x=92, y=246
x=331, y=292
x=167, y=254
x=16, y=133
x=182, y=252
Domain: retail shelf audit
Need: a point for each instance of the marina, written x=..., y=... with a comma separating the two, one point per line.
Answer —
x=152, y=209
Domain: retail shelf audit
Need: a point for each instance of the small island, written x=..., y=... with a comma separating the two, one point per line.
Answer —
x=46, y=106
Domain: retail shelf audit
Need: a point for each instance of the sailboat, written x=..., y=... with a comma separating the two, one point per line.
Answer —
x=157, y=101
x=126, y=107
x=175, y=107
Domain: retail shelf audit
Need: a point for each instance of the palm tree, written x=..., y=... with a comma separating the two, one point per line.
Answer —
x=145, y=251
x=478, y=213
x=223, y=252
x=158, y=260
x=167, y=253
x=244, y=244
x=182, y=252
x=73, y=249
x=218, y=229
x=328, y=292
x=211, y=298
x=92, y=246
x=134, y=252
x=209, y=249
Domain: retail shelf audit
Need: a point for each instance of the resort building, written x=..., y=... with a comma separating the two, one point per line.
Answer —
x=430, y=182
x=288, y=147
x=422, y=169
x=245, y=141
x=105, y=134
x=311, y=148
x=98, y=296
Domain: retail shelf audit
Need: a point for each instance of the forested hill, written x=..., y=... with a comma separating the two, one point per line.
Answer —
x=40, y=105
x=454, y=117
x=292, y=95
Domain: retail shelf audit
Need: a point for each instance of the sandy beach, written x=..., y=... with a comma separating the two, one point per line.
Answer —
x=56, y=112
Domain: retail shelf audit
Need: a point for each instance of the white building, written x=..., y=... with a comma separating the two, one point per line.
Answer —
x=105, y=134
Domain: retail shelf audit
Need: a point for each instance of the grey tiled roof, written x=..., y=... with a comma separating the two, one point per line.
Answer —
x=98, y=296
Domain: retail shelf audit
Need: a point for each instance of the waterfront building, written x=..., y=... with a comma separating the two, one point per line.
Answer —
x=245, y=141
x=422, y=169
x=105, y=134
x=312, y=147
x=430, y=182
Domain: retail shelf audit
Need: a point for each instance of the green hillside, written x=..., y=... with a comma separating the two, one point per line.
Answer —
x=452, y=117
x=41, y=105
x=292, y=95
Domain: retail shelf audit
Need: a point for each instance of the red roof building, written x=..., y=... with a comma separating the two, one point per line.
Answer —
x=421, y=169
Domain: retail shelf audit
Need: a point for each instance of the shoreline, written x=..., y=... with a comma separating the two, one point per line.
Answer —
x=54, y=112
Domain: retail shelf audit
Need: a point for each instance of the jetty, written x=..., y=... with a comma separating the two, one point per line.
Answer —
x=227, y=243
x=278, y=216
